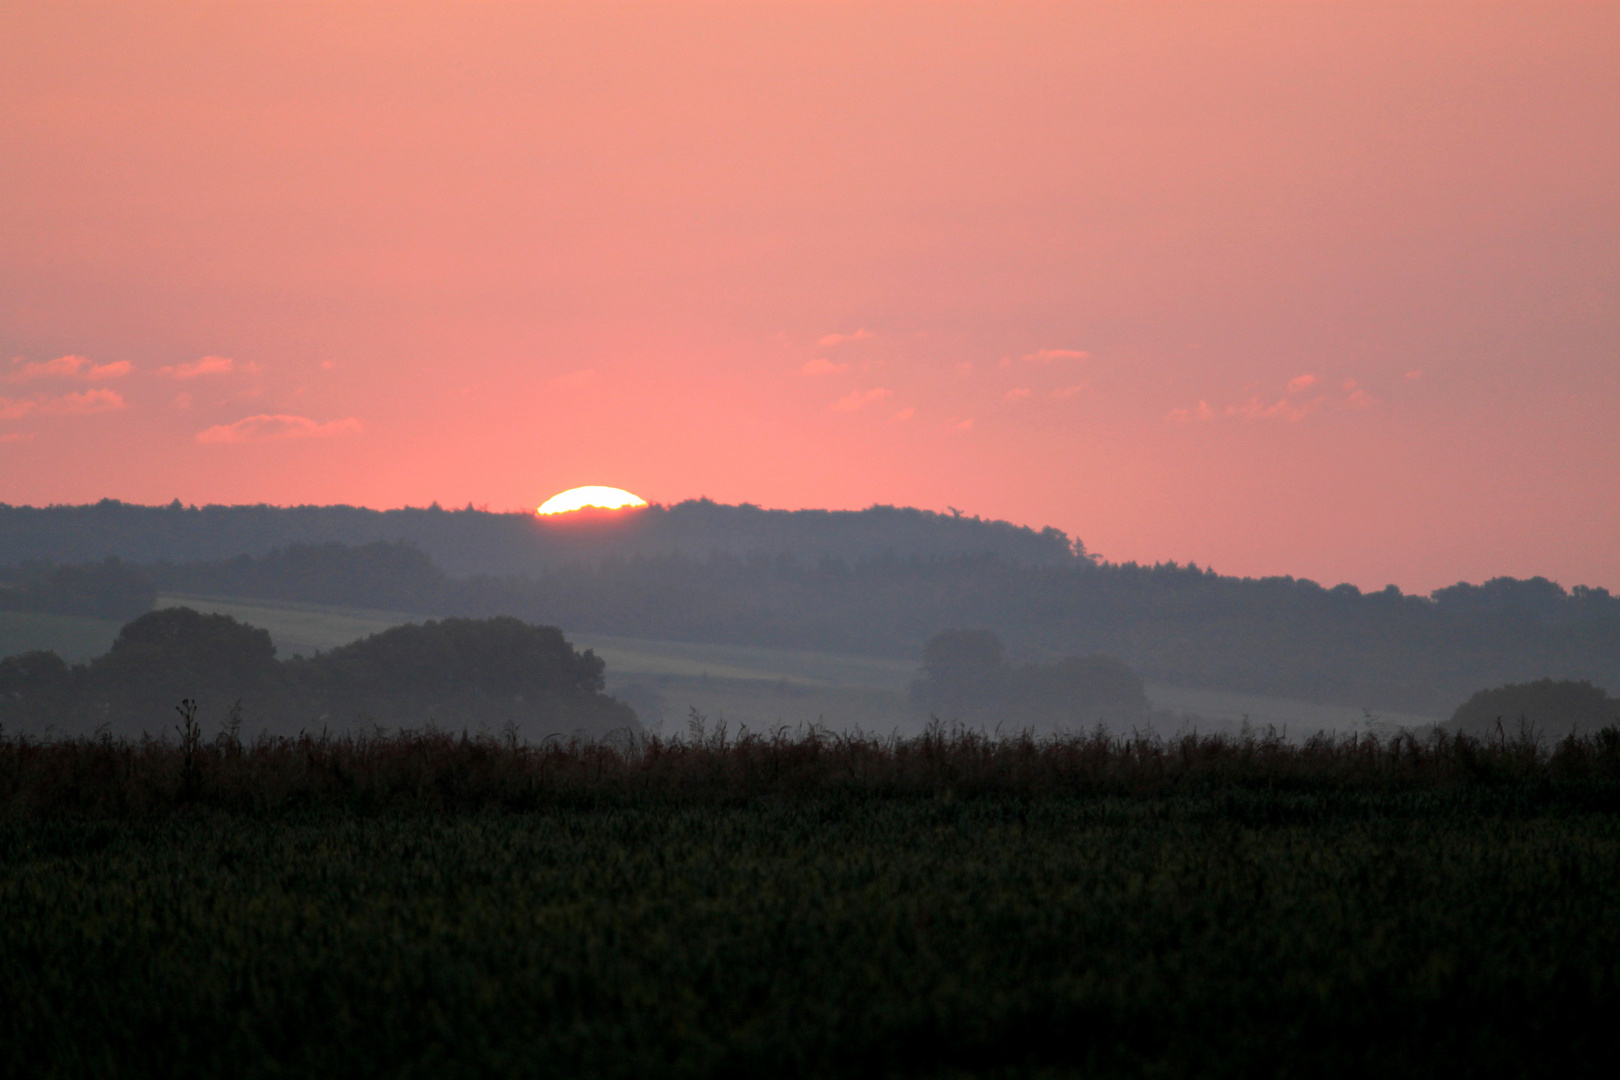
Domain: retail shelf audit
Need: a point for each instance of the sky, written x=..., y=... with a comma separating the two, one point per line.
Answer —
x=1322, y=290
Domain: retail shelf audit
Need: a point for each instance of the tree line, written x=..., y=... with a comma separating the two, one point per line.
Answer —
x=456, y=673
x=1173, y=624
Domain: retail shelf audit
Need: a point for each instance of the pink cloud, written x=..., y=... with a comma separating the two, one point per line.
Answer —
x=822, y=366
x=964, y=369
x=1415, y=373
x=75, y=404
x=1183, y=416
x=1300, y=383
x=1047, y=356
x=582, y=377
x=70, y=367
x=17, y=436
x=1017, y=393
x=903, y=415
x=1069, y=391
x=1255, y=409
x=83, y=402
x=961, y=425
x=838, y=339
x=277, y=428
x=208, y=365
x=1361, y=399
x=860, y=400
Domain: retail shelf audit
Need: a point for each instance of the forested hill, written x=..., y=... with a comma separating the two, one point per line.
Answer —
x=1172, y=624
x=479, y=542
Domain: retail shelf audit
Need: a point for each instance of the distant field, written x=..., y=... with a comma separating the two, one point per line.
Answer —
x=764, y=688
x=297, y=629
x=68, y=636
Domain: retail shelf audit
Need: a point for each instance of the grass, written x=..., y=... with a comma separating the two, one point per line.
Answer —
x=806, y=905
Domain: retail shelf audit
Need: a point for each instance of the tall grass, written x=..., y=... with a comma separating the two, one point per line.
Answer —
x=429, y=768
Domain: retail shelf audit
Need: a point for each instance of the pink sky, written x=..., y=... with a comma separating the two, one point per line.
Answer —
x=1328, y=291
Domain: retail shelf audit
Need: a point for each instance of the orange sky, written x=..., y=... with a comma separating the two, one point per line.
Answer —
x=1329, y=291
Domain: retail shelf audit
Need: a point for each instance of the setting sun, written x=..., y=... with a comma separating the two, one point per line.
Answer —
x=606, y=498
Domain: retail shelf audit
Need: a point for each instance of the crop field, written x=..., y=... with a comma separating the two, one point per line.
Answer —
x=765, y=688
x=945, y=906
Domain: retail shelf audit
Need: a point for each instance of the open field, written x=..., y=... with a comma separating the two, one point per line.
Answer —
x=69, y=636
x=425, y=905
x=297, y=629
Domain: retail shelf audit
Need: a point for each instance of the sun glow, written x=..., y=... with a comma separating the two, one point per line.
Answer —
x=605, y=498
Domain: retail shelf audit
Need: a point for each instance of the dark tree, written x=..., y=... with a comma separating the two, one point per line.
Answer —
x=1553, y=708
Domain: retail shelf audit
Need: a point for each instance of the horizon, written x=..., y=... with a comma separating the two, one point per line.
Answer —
x=599, y=513
x=1318, y=292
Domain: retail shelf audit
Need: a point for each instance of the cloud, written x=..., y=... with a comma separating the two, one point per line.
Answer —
x=182, y=400
x=903, y=415
x=70, y=367
x=277, y=428
x=822, y=366
x=83, y=402
x=964, y=369
x=1255, y=409
x=1184, y=416
x=1047, y=356
x=18, y=436
x=208, y=365
x=838, y=339
x=860, y=400
x=1300, y=383
x=1069, y=391
x=582, y=377
x=1360, y=399
x=961, y=425
x=1017, y=393
x=1415, y=373
x=75, y=404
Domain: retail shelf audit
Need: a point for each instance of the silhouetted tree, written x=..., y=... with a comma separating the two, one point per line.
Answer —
x=1552, y=708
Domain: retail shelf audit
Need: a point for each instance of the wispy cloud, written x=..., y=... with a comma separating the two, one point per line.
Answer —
x=207, y=365
x=861, y=399
x=838, y=339
x=1201, y=411
x=822, y=366
x=1069, y=391
x=1415, y=373
x=1017, y=393
x=69, y=367
x=1282, y=409
x=964, y=369
x=1048, y=356
x=903, y=415
x=965, y=424
x=75, y=404
x=85, y=401
x=276, y=428
x=1301, y=383
x=17, y=436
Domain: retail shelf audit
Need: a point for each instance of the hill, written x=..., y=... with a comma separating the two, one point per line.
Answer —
x=470, y=541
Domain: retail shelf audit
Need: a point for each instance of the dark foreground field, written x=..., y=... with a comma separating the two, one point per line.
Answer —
x=423, y=905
